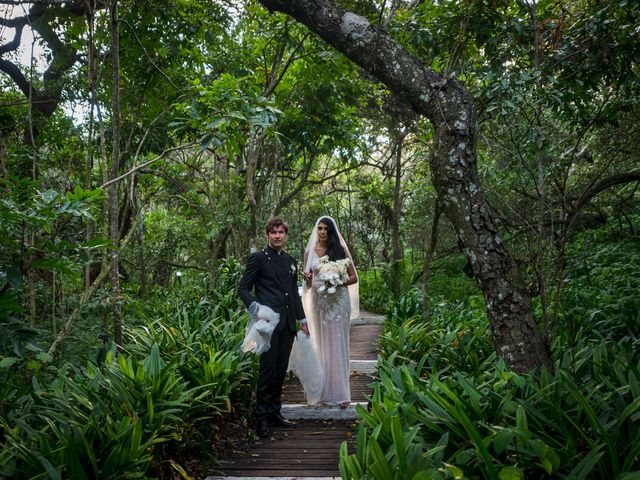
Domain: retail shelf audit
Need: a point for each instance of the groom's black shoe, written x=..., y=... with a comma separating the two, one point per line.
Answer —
x=277, y=420
x=262, y=430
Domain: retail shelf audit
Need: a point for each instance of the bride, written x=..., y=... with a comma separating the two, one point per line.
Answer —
x=329, y=314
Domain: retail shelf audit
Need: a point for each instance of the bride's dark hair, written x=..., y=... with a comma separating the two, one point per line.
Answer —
x=334, y=249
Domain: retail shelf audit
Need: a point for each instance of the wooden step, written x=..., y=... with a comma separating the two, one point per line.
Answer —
x=309, y=450
x=321, y=412
x=360, y=385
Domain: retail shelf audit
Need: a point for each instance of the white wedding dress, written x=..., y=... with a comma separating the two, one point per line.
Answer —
x=329, y=316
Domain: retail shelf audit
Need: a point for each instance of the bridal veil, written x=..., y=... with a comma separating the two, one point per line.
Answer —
x=310, y=258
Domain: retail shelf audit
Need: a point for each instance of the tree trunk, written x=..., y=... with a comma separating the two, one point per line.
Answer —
x=428, y=256
x=397, y=268
x=114, y=229
x=218, y=251
x=540, y=184
x=450, y=108
x=31, y=286
x=3, y=150
x=89, y=159
x=396, y=213
x=252, y=154
x=142, y=263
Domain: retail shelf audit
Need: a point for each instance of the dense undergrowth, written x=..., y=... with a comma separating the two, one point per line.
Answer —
x=138, y=413
x=445, y=407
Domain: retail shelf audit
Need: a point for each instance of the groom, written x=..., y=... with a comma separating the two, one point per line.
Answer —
x=272, y=275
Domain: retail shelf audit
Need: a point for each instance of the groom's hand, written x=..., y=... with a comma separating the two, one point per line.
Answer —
x=305, y=329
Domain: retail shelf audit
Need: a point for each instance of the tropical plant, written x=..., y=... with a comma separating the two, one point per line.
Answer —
x=443, y=400
x=98, y=422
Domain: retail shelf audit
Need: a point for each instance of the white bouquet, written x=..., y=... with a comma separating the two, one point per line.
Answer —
x=332, y=274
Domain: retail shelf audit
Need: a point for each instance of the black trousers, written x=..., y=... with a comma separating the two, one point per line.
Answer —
x=273, y=369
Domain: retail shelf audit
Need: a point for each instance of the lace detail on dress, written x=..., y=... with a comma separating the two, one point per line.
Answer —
x=330, y=307
x=333, y=307
x=329, y=317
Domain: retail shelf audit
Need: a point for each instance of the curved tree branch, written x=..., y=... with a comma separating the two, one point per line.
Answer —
x=42, y=17
x=448, y=104
x=602, y=185
x=594, y=191
x=146, y=164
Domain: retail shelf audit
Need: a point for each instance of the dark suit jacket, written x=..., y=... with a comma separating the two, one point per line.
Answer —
x=274, y=281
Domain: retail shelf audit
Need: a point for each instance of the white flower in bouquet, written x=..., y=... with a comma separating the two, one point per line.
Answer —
x=332, y=274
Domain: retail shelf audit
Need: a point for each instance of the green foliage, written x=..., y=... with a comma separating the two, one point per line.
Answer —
x=456, y=338
x=180, y=369
x=207, y=70
x=26, y=210
x=97, y=422
x=229, y=271
x=373, y=295
x=490, y=422
x=36, y=237
x=204, y=339
x=600, y=296
x=443, y=400
x=377, y=285
x=447, y=282
x=223, y=112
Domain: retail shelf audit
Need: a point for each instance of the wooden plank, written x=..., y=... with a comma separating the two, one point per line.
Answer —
x=360, y=385
x=363, y=340
x=311, y=448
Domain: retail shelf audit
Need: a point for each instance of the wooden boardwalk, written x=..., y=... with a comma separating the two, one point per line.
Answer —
x=310, y=449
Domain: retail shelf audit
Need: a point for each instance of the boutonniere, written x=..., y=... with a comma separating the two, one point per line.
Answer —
x=293, y=269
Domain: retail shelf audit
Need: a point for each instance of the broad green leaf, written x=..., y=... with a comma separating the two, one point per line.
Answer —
x=44, y=357
x=380, y=466
x=8, y=362
x=511, y=473
x=398, y=442
x=502, y=439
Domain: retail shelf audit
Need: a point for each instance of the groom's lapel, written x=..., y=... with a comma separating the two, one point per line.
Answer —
x=273, y=268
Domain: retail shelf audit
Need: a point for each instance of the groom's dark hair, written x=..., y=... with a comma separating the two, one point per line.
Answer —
x=276, y=222
x=334, y=249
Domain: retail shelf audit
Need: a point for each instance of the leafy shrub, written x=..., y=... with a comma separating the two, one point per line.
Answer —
x=374, y=295
x=496, y=425
x=456, y=337
x=600, y=295
x=447, y=281
x=182, y=367
x=204, y=339
x=445, y=407
x=98, y=422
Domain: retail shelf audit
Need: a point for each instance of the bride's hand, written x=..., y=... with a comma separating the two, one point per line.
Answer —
x=305, y=329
